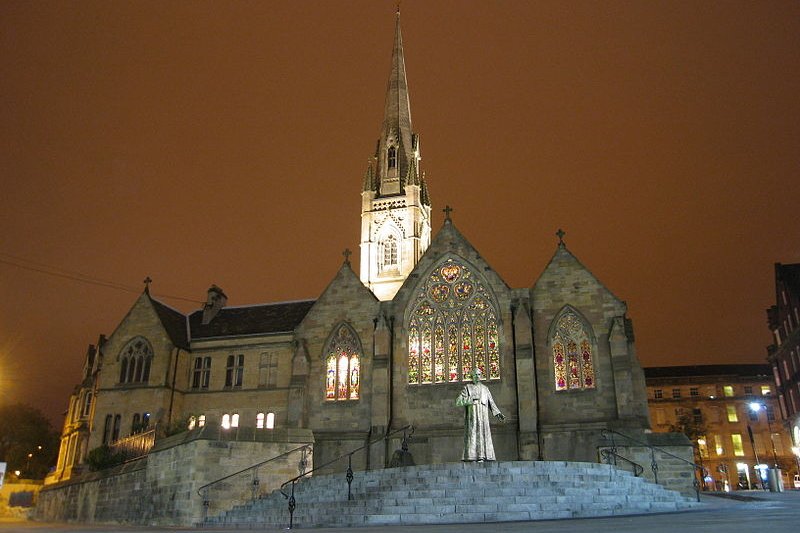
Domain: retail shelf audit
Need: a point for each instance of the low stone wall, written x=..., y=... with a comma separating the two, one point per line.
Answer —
x=673, y=452
x=162, y=488
x=17, y=499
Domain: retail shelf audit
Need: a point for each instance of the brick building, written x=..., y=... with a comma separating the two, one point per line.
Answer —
x=719, y=407
x=784, y=354
x=387, y=346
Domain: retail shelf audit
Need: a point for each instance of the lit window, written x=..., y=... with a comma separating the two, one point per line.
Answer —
x=702, y=446
x=201, y=421
x=728, y=390
x=572, y=353
x=765, y=390
x=270, y=420
x=738, y=449
x=192, y=423
x=718, y=445
x=453, y=328
x=343, y=365
x=226, y=421
x=732, y=416
x=658, y=394
x=260, y=421
x=235, y=420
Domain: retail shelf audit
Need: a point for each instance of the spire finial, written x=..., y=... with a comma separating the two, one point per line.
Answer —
x=447, y=210
x=560, y=234
x=398, y=8
x=347, y=253
x=147, y=281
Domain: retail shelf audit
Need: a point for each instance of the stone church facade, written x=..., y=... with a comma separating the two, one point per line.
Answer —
x=388, y=346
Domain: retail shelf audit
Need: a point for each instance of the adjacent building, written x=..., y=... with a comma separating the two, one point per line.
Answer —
x=731, y=414
x=784, y=354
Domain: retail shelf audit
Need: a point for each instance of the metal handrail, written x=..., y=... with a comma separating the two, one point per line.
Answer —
x=637, y=468
x=349, y=475
x=207, y=485
x=653, y=463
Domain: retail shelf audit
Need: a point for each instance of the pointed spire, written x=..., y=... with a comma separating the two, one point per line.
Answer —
x=398, y=144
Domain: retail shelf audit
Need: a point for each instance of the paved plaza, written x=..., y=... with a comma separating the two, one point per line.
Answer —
x=762, y=511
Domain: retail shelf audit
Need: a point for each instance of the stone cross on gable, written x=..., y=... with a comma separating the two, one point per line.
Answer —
x=560, y=234
x=347, y=253
x=447, y=210
x=147, y=281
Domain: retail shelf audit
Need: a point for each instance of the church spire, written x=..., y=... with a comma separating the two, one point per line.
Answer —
x=398, y=147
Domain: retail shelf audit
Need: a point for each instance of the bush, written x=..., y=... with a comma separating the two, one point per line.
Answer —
x=103, y=457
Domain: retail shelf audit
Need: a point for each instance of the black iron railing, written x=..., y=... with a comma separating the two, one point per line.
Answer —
x=255, y=481
x=134, y=446
x=608, y=434
x=610, y=456
x=407, y=431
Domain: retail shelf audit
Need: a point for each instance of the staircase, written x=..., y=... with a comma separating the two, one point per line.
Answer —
x=460, y=493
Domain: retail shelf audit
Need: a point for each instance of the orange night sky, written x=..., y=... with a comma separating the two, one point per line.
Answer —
x=224, y=142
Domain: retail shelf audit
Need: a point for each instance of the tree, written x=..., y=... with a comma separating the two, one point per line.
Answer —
x=28, y=442
x=693, y=427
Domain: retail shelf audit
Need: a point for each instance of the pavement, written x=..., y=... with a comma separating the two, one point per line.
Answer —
x=751, y=511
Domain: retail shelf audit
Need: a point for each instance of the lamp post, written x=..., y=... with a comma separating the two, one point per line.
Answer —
x=756, y=407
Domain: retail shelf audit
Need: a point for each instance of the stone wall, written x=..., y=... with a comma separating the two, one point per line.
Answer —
x=162, y=488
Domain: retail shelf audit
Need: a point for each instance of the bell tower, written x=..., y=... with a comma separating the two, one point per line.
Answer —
x=395, y=207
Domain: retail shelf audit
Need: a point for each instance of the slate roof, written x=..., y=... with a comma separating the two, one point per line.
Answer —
x=707, y=371
x=250, y=320
x=174, y=322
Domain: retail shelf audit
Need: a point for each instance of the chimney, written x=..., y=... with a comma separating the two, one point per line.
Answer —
x=216, y=301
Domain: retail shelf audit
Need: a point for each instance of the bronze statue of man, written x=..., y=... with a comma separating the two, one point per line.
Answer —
x=477, y=401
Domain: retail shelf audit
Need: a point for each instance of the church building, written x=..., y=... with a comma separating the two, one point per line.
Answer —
x=386, y=346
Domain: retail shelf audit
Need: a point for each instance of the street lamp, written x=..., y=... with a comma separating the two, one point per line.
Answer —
x=756, y=407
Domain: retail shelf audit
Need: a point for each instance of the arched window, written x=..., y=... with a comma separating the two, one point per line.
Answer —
x=342, y=365
x=388, y=253
x=260, y=421
x=270, y=420
x=226, y=421
x=192, y=423
x=391, y=157
x=136, y=424
x=135, y=359
x=235, y=420
x=573, y=365
x=201, y=421
x=452, y=327
x=117, y=424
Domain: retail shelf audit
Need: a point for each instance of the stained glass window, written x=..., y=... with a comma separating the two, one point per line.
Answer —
x=135, y=359
x=343, y=365
x=453, y=327
x=573, y=366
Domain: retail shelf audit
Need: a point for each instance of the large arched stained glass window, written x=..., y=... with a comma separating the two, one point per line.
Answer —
x=342, y=365
x=572, y=353
x=453, y=327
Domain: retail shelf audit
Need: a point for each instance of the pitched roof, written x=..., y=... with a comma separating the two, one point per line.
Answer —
x=174, y=323
x=250, y=320
x=707, y=371
x=790, y=275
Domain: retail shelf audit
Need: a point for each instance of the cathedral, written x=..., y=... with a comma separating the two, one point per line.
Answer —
x=387, y=346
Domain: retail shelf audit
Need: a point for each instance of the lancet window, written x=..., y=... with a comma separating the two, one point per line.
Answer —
x=388, y=252
x=343, y=365
x=392, y=157
x=135, y=360
x=573, y=362
x=453, y=327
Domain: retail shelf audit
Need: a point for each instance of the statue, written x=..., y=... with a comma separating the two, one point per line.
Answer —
x=477, y=401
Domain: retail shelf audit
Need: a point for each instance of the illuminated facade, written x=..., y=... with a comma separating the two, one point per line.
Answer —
x=385, y=347
x=719, y=406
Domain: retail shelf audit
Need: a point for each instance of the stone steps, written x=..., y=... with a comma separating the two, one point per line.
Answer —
x=459, y=493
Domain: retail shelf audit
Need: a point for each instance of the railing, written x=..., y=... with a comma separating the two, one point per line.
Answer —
x=611, y=455
x=349, y=473
x=134, y=446
x=255, y=483
x=608, y=434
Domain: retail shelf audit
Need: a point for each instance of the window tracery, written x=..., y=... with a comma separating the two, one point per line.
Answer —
x=135, y=360
x=343, y=365
x=388, y=253
x=453, y=327
x=573, y=363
